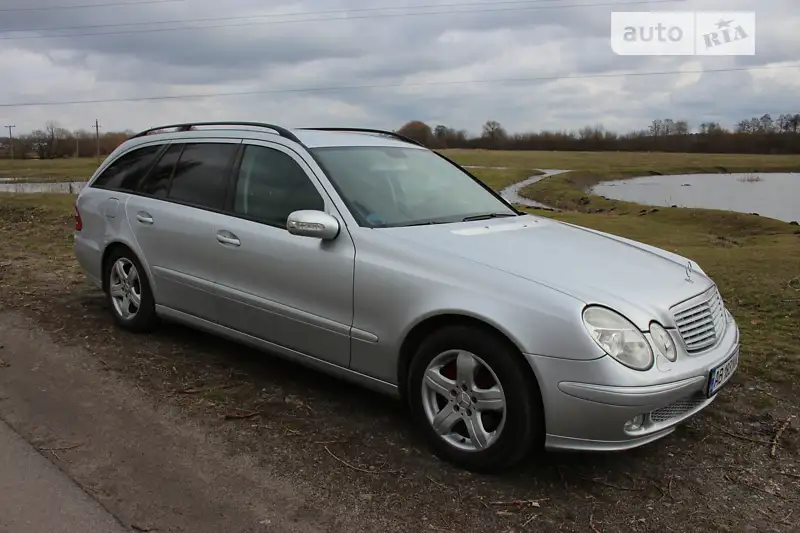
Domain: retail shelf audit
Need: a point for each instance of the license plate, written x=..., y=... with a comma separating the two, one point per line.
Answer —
x=720, y=375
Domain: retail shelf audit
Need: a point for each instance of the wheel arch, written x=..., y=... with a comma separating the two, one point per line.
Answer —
x=121, y=245
x=425, y=327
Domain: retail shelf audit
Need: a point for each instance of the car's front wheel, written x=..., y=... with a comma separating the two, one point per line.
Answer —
x=474, y=399
x=128, y=292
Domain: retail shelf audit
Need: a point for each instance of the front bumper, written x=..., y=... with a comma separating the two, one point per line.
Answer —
x=588, y=403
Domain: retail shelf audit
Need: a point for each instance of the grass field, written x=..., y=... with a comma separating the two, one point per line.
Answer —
x=754, y=260
x=600, y=165
x=644, y=162
x=568, y=191
x=67, y=169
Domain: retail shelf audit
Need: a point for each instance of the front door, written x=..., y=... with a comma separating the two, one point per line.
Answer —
x=294, y=291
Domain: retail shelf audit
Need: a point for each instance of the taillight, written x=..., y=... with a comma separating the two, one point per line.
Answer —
x=78, y=221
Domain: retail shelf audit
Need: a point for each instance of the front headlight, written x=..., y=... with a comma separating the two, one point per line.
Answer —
x=662, y=342
x=618, y=337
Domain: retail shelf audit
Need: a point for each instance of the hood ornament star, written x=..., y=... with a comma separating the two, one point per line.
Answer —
x=689, y=270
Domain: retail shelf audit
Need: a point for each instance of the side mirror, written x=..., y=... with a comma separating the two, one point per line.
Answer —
x=308, y=223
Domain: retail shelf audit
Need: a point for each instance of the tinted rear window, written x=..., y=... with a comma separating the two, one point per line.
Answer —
x=126, y=172
x=157, y=182
x=201, y=175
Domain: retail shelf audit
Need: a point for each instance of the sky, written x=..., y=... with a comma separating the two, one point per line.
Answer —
x=530, y=65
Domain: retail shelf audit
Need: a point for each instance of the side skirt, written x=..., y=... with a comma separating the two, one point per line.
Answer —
x=377, y=385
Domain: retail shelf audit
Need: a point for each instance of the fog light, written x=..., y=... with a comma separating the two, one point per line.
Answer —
x=634, y=423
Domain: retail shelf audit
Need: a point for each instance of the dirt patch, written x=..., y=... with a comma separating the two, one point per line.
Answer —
x=356, y=452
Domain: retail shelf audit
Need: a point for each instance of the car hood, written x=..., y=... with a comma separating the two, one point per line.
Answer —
x=637, y=280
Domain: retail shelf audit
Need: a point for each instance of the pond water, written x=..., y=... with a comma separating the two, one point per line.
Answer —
x=63, y=187
x=774, y=195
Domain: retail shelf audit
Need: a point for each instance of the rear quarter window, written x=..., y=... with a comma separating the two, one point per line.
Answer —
x=127, y=171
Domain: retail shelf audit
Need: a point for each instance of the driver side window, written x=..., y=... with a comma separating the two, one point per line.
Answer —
x=271, y=185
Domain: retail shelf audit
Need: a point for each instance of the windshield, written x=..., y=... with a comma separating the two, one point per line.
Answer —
x=395, y=186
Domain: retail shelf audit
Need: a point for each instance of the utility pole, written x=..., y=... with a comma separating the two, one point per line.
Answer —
x=97, y=136
x=11, y=140
x=77, y=145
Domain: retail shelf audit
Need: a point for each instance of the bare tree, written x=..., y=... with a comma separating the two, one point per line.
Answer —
x=494, y=132
x=795, y=122
x=656, y=128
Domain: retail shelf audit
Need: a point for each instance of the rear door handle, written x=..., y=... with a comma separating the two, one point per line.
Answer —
x=226, y=237
x=144, y=218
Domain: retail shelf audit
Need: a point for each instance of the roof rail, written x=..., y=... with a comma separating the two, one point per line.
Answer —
x=368, y=130
x=283, y=132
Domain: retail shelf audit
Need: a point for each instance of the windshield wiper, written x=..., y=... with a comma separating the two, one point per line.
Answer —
x=487, y=216
x=424, y=223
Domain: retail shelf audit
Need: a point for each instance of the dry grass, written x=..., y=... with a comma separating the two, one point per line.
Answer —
x=500, y=179
x=66, y=169
x=638, y=162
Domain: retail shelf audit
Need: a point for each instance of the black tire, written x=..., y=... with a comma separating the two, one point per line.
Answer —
x=145, y=318
x=523, y=429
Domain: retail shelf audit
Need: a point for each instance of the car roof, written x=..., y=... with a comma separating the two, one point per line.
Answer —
x=310, y=138
x=319, y=139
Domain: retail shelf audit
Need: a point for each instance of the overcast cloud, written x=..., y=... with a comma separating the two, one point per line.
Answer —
x=427, y=59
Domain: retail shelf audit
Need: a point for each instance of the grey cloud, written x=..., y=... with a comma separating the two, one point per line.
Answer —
x=374, y=51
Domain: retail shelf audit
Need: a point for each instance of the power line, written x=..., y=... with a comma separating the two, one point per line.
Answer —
x=393, y=85
x=345, y=17
x=277, y=15
x=87, y=6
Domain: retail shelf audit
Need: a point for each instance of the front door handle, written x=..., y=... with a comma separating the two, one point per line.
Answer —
x=226, y=237
x=144, y=217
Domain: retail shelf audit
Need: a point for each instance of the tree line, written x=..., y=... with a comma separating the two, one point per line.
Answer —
x=53, y=141
x=763, y=135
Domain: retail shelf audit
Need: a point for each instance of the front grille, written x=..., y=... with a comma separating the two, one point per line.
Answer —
x=702, y=324
x=677, y=409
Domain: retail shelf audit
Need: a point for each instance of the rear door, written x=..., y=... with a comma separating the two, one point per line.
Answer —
x=100, y=205
x=176, y=218
x=294, y=291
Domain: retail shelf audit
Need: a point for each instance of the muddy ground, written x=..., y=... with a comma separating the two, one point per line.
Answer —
x=353, y=457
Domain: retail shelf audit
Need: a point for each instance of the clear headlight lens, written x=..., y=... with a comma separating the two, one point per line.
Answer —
x=662, y=342
x=618, y=337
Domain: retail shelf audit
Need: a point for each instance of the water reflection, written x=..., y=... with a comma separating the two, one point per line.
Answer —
x=774, y=195
x=63, y=187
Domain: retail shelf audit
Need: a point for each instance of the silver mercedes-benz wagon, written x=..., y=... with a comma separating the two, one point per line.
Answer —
x=363, y=254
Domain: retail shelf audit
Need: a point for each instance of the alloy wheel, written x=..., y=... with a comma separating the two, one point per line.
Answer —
x=463, y=400
x=125, y=288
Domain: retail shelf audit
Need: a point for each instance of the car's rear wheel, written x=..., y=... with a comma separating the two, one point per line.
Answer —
x=128, y=292
x=474, y=399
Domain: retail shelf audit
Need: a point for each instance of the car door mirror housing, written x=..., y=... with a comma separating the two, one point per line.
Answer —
x=308, y=223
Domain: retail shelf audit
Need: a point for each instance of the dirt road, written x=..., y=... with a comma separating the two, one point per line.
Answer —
x=141, y=462
x=37, y=496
